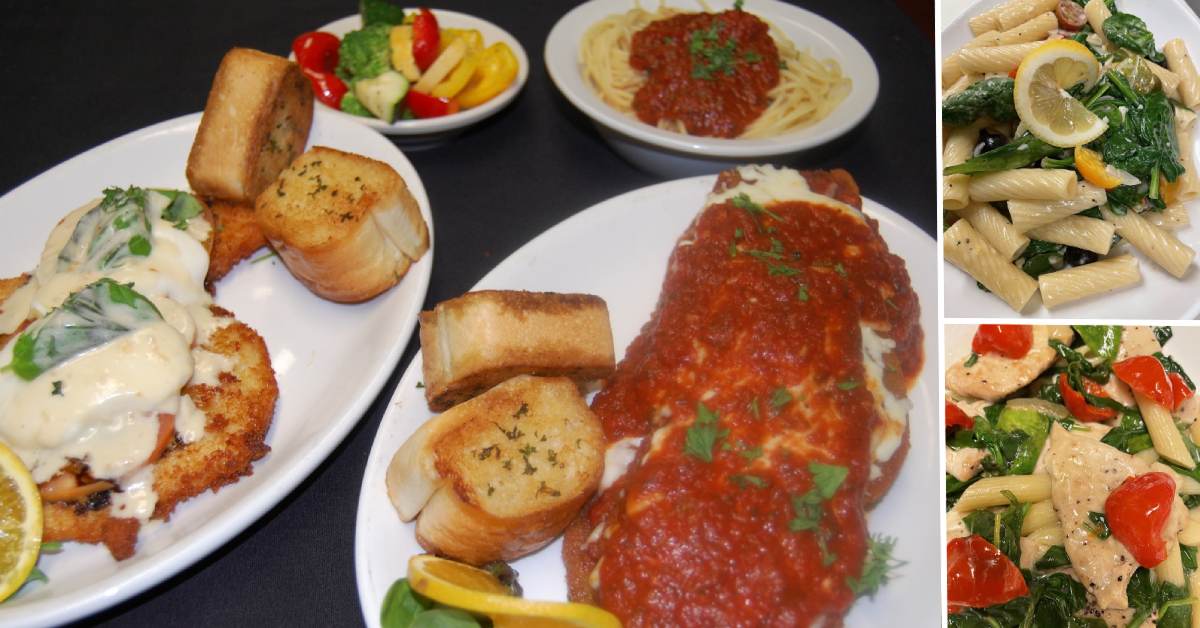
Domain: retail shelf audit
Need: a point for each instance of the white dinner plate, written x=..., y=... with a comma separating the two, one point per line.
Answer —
x=445, y=124
x=330, y=360
x=808, y=31
x=1159, y=295
x=618, y=250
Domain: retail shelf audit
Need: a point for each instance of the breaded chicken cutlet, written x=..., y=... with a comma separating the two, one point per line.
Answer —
x=236, y=236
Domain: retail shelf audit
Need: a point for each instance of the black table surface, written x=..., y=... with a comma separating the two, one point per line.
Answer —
x=84, y=73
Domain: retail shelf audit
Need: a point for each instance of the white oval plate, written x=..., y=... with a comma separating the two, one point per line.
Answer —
x=430, y=126
x=808, y=31
x=309, y=339
x=618, y=250
x=1160, y=295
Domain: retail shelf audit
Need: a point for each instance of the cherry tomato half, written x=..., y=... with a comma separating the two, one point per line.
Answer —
x=955, y=417
x=425, y=38
x=1137, y=511
x=1182, y=392
x=1010, y=341
x=1146, y=375
x=316, y=51
x=978, y=574
x=1078, y=405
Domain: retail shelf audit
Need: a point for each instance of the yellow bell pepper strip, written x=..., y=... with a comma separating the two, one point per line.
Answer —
x=442, y=67
x=497, y=69
x=400, y=41
x=473, y=38
x=453, y=84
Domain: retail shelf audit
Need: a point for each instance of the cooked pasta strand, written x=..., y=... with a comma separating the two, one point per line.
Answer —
x=1024, y=184
x=1171, y=569
x=1168, y=442
x=991, y=59
x=1040, y=515
x=996, y=229
x=1097, y=13
x=989, y=492
x=1078, y=231
x=1181, y=64
x=1159, y=245
x=1027, y=215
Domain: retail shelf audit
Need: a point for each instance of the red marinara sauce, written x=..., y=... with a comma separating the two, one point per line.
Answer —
x=709, y=71
x=696, y=542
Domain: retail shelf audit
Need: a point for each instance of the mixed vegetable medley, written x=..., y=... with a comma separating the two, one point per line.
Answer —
x=1072, y=472
x=404, y=65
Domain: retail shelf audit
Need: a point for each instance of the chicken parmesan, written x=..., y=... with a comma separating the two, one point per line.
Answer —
x=761, y=411
x=123, y=388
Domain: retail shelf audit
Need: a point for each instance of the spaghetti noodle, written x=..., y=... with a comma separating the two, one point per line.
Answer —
x=806, y=90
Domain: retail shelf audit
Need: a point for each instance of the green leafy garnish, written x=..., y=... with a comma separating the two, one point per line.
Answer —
x=703, y=434
x=1097, y=525
x=1103, y=340
x=183, y=208
x=780, y=397
x=1018, y=153
x=848, y=384
x=109, y=233
x=709, y=56
x=742, y=201
x=1128, y=31
x=1054, y=558
x=971, y=360
x=878, y=566
x=744, y=480
x=991, y=97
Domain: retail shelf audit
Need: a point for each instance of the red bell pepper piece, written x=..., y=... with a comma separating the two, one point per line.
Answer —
x=1181, y=391
x=426, y=39
x=426, y=106
x=327, y=87
x=955, y=417
x=1137, y=511
x=317, y=51
x=1146, y=376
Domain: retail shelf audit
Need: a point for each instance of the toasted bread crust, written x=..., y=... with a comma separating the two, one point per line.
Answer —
x=239, y=413
x=255, y=122
x=236, y=237
x=501, y=475
x=345, y=225
x=480, y=339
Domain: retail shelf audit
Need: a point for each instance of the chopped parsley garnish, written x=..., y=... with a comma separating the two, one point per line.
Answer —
x=752, y=57
x=780, y=397
x=752, y=453
x=420, y=384
x=269, y=255
x=737, y=4
x=744, y=480
x=877, y=566
x=742, y=201
x=839, y=269
x=56, y=388
x=703, y=434
x=802, y=293
x=183, y=208
x=808, y=507
x=709, y=56
x=849, y=384
x=782, y=269
x=971, y=360
x=753, y=407
x=1098, y=526
x=827, y=477
x=776, y=252
x=522, y=411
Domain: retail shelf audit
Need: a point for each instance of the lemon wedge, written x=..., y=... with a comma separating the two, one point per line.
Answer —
x=462, y=586
x=1041, y=98
x=1092, y=168
x=20, y=522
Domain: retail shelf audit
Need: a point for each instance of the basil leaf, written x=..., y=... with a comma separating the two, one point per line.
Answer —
x=93, y=316
x=109, y=233
x=1103, y=340
x=400, y=606
x=183, y=208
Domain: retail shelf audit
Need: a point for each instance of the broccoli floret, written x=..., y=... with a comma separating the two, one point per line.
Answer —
x=364, y=53
x=381, y=12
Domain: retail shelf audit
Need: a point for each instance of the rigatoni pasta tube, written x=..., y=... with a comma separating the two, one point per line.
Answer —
x=1027, y=215
x=1168, y=79
x=1173, y=217
x=1071, y=284
x=1014, y=13
x=1080, y=232
x=957, y=149
x=1190, y=535
x=1159, y=245
x=1168, y=442
x=987, y=21
x=1181, y=64
x=1034, y=29
x=993, y=59
x=967, y=249
x=1171, y=569
x=951, y=71
x=1047, y=535
x=1097, y=13
x=996, y=229
x=988, y=492
x=1187, y=186
x=1024, y=184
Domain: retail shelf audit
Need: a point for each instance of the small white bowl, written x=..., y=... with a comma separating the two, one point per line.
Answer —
x=676, y=154
x=432, y=130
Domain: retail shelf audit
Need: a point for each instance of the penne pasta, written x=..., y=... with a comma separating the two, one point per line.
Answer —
x=952, y=72
x=1180, y=62
x=1097, y=13
x=1168, y=442
x=988, y=492
x=1168, y=79
x=957, y=149
x=1159, y=245
x=996, y=229
x=1173, y=217
x=1185, y=485
x=1048, y=536
x=1014, y=13
x=967, y=249
x=987, y=21
x=994, y=59
x=1035, y=29
x=1190, y=535
x=1078, y=231
x=1027, y=215
x=1040, y=515
x=1171, y=569
x=1071, y=284
x=1024, y=184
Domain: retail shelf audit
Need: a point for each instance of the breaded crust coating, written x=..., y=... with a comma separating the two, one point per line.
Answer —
x=236, y=237
x=239, y=412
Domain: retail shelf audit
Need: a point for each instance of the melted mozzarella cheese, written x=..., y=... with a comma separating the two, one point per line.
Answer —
x=888, y=435
x=765, y=185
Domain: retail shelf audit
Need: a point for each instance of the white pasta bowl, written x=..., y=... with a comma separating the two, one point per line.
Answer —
x=675, y=154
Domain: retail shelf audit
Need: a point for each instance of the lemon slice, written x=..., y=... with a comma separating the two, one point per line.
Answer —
x=1041, y=98
x=20, y=522
x=1092, y=168
x=462, y=586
